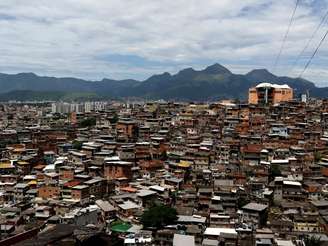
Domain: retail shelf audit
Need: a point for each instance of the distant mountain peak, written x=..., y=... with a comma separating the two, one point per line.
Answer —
x=216, y=69
x=261, y=71
x=159, y=77
x=27, y=74
x=166, y=74
x=187, y=70
x=213, y=83
x=262, y=75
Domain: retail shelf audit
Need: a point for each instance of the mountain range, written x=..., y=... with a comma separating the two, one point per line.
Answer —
x=212, y=83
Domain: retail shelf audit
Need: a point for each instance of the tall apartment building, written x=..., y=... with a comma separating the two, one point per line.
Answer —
x=94, y=106
x=82, y=107
x=61, y=107
x=266, y=93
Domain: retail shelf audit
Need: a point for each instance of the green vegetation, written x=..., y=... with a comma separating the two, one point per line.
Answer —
x=241, y=202
x=114, y=119
x=77, y=145
x=79, y=96
x=317, y=156
x=88, y=122
x=158, y=216
x=213, y=83
x=274, y=171
x=311, y=241
x=249, y=173
x=23, y=95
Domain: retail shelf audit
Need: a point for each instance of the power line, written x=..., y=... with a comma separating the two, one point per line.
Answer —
x=314, y=53
x=286, y=35
x=309, y=42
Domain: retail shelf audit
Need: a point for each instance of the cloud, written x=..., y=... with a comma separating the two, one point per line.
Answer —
x=136, y=38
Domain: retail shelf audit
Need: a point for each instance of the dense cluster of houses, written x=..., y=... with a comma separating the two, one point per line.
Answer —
x=237, y=174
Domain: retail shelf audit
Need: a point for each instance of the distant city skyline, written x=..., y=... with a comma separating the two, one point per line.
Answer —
x=93, y=39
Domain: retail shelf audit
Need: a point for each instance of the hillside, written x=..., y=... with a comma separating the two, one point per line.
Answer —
x=212, y=83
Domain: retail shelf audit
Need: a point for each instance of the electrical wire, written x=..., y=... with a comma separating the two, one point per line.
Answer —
x=314, y=53
x=286, y=35
x=309, y=42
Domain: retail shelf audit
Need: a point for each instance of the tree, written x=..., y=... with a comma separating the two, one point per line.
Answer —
x=249, y=173
x=88, y=122
x=114, y=119
x=274, y=171
x=158, y=216
x=77, y=145
x=241, y=202
x=311, y=240
x=317, y=156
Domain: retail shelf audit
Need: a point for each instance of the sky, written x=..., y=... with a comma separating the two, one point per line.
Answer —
x=121, y=39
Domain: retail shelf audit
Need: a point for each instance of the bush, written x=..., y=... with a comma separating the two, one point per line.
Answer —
x=311, y=241
x=159, y=216
x=274, y=171
x=77, y=145
x=88, y=122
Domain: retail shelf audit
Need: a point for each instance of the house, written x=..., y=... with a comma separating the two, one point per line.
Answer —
x=225, y=236
x=43, y=212
x=183, y=240
x=49, y=191
x=147, y=197
x=128, y=208
x=81, y=193
x=77, y=158
x=20, y=191
x=97, y=187
x=192, y=220
x=255, y=214
x=107, y=210
x=66, y=173
x=81, y=216
x=117, y=169
x=127, y=129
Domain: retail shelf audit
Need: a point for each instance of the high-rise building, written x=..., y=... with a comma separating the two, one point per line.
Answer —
x=54, y=107
x=88, y=107
x=266, y=93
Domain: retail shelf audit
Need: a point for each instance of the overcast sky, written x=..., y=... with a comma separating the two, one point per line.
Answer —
x=122, y=39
